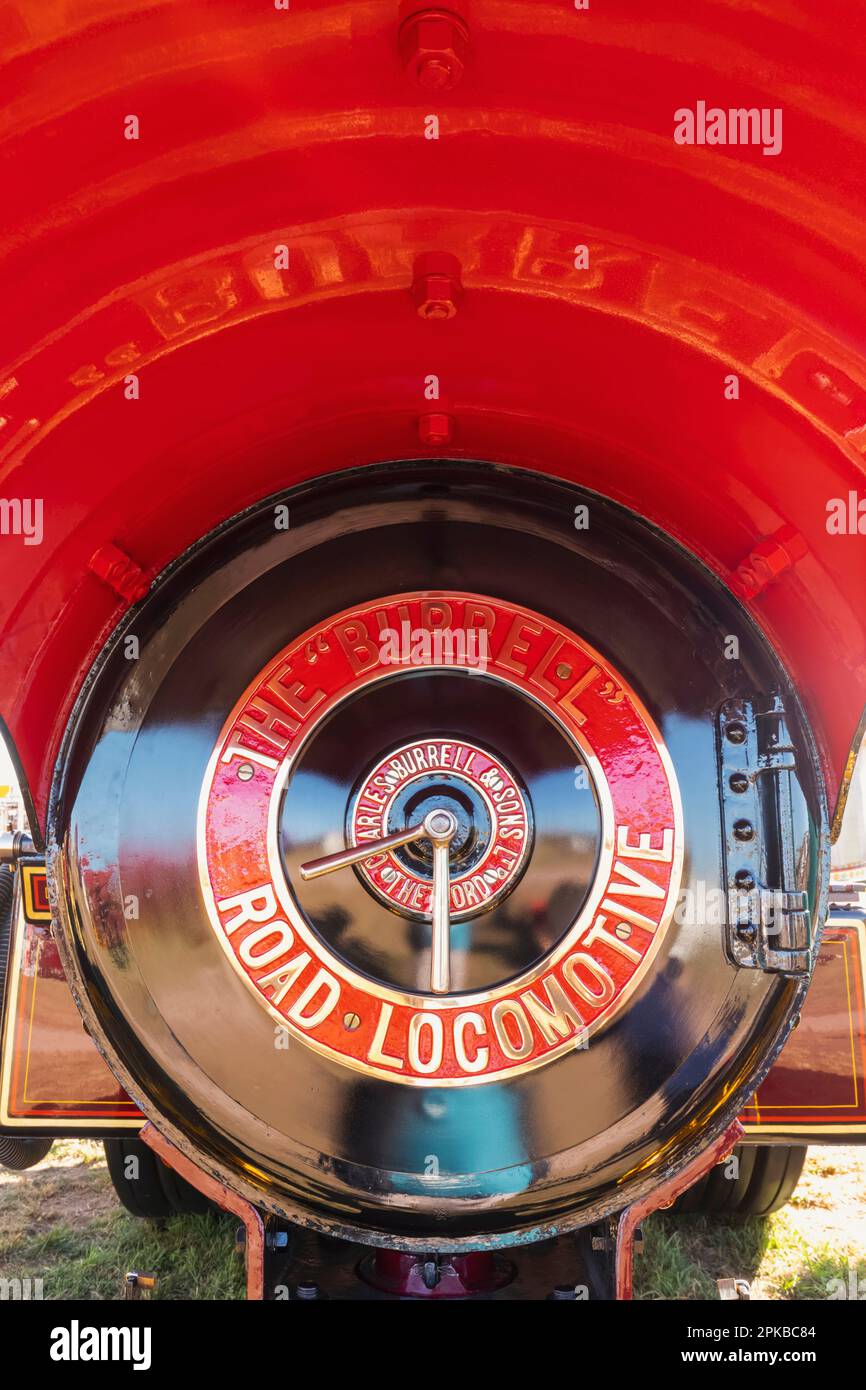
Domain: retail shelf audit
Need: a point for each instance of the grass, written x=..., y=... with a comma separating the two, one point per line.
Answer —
x=62, y=1223
x=795, y=1254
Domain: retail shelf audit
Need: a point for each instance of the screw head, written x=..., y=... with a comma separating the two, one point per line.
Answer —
x=351, y=1022
x=246, y=772
x=440, y=825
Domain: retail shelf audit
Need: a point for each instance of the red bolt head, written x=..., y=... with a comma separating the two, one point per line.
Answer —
x=436, y=430
x=433, y=47
x=434, y=297
x=436, y=287
x=110, y=564
x=769, y=560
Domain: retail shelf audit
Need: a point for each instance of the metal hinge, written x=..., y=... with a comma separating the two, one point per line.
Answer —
x=768, y=923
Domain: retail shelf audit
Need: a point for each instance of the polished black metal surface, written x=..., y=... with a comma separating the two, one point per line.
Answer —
x=299, y=1133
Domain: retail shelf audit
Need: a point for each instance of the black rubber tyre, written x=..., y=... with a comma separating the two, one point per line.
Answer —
x=155, y=1191
x=776, y=1174
x=16, y=1151
x=7, y=885
x=766, y=1180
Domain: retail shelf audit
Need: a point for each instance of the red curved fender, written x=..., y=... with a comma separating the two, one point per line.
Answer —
x=262, y=128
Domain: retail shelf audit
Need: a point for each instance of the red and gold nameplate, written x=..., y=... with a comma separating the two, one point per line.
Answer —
x=421, y=1039
x=457, y=763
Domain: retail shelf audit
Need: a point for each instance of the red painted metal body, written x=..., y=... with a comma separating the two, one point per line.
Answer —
x=261, y=128
x=244, y=246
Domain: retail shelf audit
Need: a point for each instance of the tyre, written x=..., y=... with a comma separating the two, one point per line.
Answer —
x=19, y=1153
x=147, y=1187
x=766, y=1180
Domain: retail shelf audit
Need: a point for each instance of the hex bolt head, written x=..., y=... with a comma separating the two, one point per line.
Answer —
x=433, y=46
x=436, y=430
x=436, y=287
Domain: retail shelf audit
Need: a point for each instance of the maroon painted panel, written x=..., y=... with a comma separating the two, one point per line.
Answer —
x=52, y=1076
x=817, y=1089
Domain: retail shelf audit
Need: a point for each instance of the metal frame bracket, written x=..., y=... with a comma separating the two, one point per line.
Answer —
x=767, y=909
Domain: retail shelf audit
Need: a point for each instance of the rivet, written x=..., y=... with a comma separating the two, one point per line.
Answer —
x=563, y=671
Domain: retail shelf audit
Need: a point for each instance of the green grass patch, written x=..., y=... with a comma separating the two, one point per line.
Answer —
x=191, y=1256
